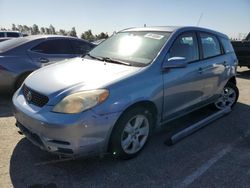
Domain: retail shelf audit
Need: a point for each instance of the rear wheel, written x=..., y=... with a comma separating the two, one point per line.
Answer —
x=131, y=133
x=228, y=98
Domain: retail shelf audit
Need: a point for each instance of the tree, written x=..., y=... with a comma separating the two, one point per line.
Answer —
x=62, y=32
x=83, y=36
x=47, y=31
x=52, y=30
x=73, y=32
x=31, y=31
x=20, y=28
x=102, y=35
x=35, y=30
x=14, y=28
x=42, y=30
x=26, y=29
x=87, y=35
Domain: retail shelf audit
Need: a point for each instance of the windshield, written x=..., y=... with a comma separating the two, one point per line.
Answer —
x=138, y=48
x=12, y=43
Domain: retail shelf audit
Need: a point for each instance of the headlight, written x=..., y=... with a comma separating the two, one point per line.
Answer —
x=78, y=102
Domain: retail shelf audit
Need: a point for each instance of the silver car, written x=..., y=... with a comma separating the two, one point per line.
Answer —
x=132, y=83
x=10, y=34
x=20, y=56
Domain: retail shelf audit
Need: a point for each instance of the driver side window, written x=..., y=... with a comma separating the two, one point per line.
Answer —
x=185, y=46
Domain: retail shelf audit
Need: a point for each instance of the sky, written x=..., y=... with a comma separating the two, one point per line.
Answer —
x=231, y=17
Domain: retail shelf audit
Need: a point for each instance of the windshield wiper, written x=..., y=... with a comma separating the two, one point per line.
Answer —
x=94, y=57
x=111, y=60
x=108, y=59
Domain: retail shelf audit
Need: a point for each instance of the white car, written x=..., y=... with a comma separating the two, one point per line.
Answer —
x=10, y=34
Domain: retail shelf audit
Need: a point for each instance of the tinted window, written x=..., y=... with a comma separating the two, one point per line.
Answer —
x=81, y=47
x=185, y=46
x=227, y=46
x=13, y=35
x=210, y=45
x=57, y=46
x=2, y=35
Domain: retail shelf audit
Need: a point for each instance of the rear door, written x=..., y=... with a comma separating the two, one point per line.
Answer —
x=51, y=50
x=213, y=67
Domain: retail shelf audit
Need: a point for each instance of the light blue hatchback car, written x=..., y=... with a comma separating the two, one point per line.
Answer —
x=135, y=81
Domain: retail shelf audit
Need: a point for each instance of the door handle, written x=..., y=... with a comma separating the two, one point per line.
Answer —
x=200, y=70
x=43, y=60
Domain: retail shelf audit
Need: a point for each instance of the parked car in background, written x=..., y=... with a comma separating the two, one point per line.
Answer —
x=242, y=50
x=135, y=81
x=10, y=34
x=7, y=35
x=21, y=56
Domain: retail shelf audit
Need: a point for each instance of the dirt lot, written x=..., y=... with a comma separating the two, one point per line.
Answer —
x=216, y=156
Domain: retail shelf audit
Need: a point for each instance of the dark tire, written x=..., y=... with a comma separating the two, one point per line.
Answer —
x=133, y=127
x=228, y=98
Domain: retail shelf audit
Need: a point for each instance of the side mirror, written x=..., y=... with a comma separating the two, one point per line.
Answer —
x=175, y=62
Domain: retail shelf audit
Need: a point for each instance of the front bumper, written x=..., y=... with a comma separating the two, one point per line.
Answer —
x=85, y=134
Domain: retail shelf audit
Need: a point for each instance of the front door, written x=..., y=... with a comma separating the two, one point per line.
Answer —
x=182, y=86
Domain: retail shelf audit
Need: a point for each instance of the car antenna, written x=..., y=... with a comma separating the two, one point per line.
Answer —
x=199, y=20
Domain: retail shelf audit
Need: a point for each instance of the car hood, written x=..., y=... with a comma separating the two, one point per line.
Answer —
x=82, y=73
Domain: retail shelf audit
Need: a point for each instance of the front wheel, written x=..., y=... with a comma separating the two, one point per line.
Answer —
x=131, y=133
x=228, y=98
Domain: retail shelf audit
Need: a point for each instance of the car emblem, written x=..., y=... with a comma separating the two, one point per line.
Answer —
x=29, y=96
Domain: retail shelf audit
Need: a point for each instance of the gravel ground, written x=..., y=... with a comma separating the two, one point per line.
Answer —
x=216, y=156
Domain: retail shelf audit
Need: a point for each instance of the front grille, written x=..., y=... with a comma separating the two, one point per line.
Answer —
x=34, y=97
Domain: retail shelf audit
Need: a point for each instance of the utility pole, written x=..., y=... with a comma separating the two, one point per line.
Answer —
x=198, y=23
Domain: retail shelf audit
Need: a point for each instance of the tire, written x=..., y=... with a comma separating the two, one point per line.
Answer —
x=228, y=98
x=133, y=127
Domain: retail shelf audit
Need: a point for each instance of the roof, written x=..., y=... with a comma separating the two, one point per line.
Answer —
x=10, y=32
x=174, y=29
x=155, y=28
x=32, y=37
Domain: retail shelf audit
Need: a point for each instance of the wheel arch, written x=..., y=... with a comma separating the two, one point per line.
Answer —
x=145, y=104
x=232, y=80
x=20, y=77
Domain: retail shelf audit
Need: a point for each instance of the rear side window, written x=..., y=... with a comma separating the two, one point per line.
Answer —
x=185, y=46
x=81, y=47
x=2, y=35
x=210, y=45
x=13, y=43
x=55, y=46
x=13, y=34
x=227, y=46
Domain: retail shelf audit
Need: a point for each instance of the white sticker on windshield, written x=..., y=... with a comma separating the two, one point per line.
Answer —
x=154, y=36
